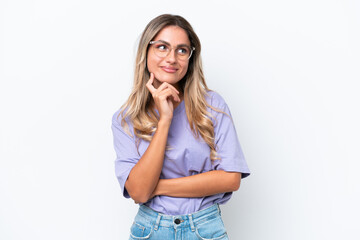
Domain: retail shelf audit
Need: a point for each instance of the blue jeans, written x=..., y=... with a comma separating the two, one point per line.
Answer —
x=205, y=224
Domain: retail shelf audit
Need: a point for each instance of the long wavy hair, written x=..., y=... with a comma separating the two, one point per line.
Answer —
x=137, y=108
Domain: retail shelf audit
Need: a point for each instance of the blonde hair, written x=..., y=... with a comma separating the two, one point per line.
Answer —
x=193, y=85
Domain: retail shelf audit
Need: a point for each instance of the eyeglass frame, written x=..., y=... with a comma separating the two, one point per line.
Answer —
x=171, y=48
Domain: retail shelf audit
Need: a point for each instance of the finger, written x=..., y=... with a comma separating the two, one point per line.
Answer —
x=167, y=85
x=163, y=86
x=175, y=96
x=172, y=89
x=169, y=92
x=149, y=84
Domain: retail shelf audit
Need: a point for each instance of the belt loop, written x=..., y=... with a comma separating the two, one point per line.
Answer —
x=157, y=222
x=191, y=223
x=217, y=204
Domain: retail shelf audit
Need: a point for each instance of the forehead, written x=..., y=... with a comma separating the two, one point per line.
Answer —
x=174, y=35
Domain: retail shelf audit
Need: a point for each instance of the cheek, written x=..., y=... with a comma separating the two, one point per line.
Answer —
x=184, y=69
x=151, y=63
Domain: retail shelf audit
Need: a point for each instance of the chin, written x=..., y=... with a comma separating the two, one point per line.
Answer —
x=171, y=80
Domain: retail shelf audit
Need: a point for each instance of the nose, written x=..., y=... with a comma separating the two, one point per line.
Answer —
x=171, y=57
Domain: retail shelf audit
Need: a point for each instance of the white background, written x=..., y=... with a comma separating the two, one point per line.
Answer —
x=289, y=71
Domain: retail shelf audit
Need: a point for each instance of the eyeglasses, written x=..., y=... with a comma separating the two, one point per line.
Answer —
x=162, y=49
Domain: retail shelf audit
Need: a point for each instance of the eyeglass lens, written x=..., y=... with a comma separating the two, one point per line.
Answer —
x=162, y=50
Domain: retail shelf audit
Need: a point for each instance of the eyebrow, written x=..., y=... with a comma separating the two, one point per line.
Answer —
x=180, y=45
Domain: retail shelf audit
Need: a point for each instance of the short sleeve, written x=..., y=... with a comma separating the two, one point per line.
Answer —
x=126, y=153
x=227, y=143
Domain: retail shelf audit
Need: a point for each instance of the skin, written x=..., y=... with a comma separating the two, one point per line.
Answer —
x=143, y=182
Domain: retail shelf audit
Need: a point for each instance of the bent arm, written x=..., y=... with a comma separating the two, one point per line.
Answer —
x=144, y=176
x=199, y=185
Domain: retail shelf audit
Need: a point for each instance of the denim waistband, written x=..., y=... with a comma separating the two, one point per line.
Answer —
x=178, y=221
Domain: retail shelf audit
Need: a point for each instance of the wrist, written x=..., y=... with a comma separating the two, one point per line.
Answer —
x=164, y=122
x=159, y=190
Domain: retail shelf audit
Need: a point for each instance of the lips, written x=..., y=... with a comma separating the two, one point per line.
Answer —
x=169, y=69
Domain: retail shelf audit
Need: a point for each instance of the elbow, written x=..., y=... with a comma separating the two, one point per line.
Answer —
x=236, y=186
x=236, y=181
x=139, y=199
x=137, y=194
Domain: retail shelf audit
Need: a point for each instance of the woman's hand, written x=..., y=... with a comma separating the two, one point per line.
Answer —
x=162, y=97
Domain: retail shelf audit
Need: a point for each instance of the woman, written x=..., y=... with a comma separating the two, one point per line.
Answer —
x=178, y=154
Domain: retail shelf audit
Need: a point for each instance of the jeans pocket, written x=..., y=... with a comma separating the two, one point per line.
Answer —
x=213, y=229
x=140, y=231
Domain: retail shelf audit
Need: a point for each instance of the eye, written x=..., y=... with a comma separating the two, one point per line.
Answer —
x=183, y=51
x=161, y=47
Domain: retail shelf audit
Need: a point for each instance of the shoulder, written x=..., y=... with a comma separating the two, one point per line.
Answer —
x=215, y=99
x=217, y=108
x=118, y=116
x=117, y=121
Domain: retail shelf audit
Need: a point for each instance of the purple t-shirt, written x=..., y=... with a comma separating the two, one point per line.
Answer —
x=187, y=156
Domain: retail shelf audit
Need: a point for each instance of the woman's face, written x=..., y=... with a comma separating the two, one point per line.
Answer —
x=168, y=69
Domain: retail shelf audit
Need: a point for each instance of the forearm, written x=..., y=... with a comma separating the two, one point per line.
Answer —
x=199, y=185
x=144, y=176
